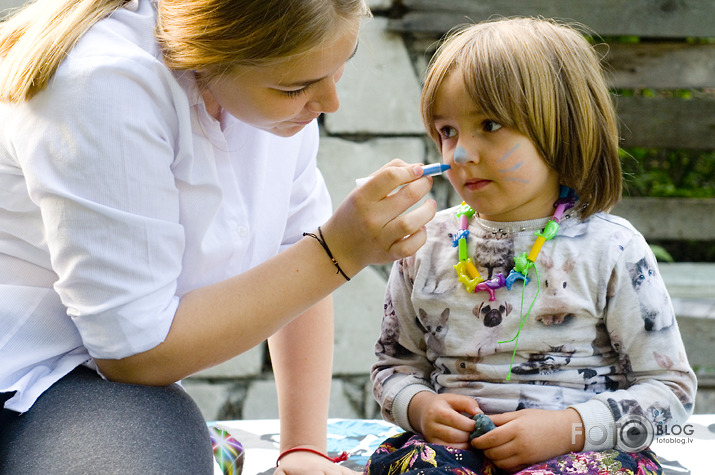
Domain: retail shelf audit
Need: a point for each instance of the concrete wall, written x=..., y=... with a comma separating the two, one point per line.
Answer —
x=5, y=5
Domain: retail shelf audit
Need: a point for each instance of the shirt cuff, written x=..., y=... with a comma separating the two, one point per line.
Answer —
x=599, y=425
x=402, y=402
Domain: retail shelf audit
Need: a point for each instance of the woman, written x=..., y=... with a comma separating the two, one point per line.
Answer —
x=155, y=158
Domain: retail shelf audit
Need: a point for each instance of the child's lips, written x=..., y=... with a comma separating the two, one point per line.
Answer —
x=476, y=184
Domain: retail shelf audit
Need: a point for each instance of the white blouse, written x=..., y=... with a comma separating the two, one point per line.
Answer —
x=119, y=194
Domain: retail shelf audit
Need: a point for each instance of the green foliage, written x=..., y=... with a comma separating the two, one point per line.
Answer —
x=667, y=93
x=668, y=173
x=661, y=253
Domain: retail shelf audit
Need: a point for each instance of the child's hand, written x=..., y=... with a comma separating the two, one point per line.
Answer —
x=371, y=226
x=525, y=437
x=440, y=418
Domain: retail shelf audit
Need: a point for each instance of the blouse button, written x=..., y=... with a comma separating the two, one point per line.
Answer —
x=242, y=231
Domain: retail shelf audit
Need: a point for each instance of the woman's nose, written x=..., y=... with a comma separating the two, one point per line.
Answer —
x=325, y=99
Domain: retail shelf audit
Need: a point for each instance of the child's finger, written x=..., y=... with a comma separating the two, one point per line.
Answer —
x=444, y=434
x=494, y=438
x=464, y=407
x=503, y=418
x=464, y=404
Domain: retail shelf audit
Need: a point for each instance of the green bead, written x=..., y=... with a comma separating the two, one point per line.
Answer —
x=463, y=249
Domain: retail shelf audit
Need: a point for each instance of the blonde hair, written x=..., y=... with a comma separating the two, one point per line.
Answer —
x=544, y=80
x=211, y=35
x=219, y=35
x=35, y=40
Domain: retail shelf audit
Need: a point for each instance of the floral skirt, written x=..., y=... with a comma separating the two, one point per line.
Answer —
x=411, y=454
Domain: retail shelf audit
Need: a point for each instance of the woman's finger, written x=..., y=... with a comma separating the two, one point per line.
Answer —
x=386, y=180
x=408, y=245
x=406, y=233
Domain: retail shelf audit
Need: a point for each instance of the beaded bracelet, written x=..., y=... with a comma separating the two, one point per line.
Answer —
x=340, y=458
x=321, y=240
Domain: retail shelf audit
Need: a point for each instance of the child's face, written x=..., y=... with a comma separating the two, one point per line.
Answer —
x=283, y=99
x=497, y=171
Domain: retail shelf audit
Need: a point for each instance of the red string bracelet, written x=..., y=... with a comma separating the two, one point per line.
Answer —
x=340, y=458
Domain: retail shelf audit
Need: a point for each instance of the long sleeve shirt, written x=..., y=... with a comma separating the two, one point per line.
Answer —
x=600, y=336
x=119, y=193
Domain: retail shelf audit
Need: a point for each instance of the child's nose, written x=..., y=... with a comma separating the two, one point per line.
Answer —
x=460, y=155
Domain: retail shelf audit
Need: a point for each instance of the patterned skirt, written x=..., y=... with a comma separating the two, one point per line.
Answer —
x=411, y=454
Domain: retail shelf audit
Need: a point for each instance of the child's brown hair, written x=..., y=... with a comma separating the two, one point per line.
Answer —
x=544, y=80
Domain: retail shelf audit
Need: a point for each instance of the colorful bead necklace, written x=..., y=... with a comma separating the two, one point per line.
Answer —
x=467, y=271
x=469, y=275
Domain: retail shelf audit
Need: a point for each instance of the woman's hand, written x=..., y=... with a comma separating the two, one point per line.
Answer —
x=219, y=321
x=529, y=436
x=298, y=463
x=440, y=418
x=371, y=225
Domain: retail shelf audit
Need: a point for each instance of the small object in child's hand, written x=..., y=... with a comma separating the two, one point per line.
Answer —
x=482, y=425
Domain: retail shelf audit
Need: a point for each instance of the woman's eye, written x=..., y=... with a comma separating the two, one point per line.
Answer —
x=491, y=126
x=296, y=92
x=447, y=132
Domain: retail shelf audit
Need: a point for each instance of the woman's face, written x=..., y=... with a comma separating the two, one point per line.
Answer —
x=495, y=169
x=282, y=99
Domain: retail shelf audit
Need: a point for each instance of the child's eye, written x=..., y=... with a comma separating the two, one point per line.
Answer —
x=447, y=132
x=491, y=126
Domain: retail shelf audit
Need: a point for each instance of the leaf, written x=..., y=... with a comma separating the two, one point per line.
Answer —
x=661, y=254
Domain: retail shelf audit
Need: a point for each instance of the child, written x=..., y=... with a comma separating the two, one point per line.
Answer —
x=566, y=340
x=161, y=211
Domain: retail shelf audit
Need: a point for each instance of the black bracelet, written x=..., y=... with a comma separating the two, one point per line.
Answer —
x=321, y=240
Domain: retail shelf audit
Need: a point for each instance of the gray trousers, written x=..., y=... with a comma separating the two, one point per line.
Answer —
x=86, y=425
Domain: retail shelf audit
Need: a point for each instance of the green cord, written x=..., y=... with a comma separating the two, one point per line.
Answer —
x=523, y=320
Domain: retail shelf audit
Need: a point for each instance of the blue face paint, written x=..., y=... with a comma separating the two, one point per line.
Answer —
x=504, y=157
x=512, y=168
x=518, y=180
x=460, y=155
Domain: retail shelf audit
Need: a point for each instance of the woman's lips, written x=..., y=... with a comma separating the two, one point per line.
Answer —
x=476, y=185
x=305, y=121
